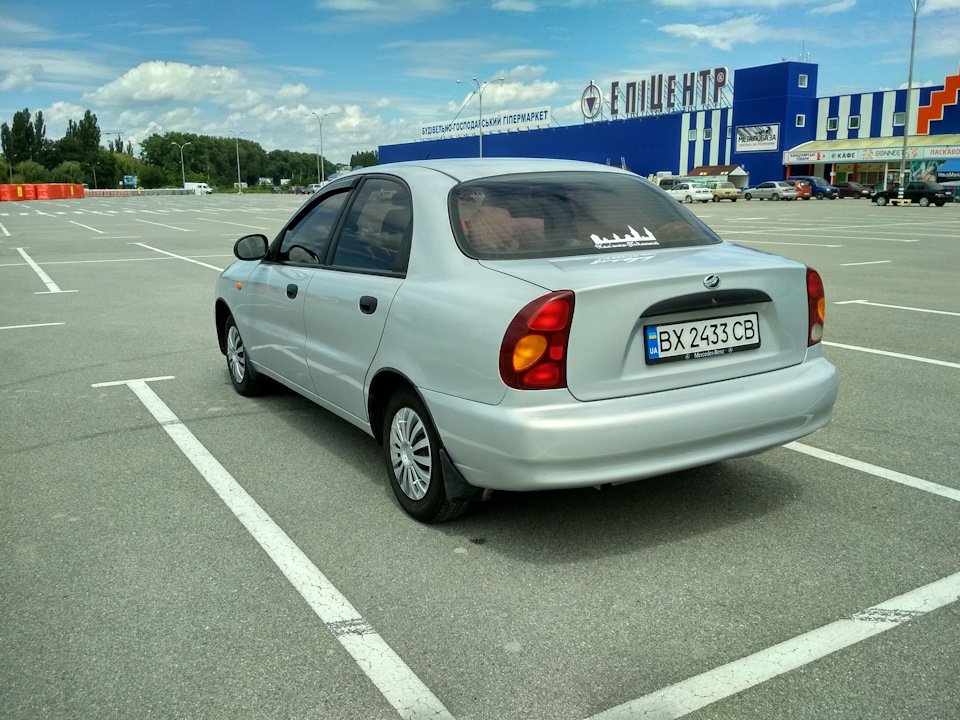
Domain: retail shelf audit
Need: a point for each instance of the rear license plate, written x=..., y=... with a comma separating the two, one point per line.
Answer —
x=701, y=338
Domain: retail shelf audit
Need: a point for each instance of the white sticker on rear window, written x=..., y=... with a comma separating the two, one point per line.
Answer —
x=631, y=239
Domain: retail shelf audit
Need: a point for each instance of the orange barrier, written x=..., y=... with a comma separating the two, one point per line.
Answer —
x=44, y=191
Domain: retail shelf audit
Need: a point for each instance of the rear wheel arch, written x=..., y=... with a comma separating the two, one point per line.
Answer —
x=221, y=313
x=384, y=386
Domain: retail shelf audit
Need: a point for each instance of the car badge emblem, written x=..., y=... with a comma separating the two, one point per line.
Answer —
x=711, y=281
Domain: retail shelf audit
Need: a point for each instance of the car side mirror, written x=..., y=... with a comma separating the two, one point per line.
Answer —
x=251, y=247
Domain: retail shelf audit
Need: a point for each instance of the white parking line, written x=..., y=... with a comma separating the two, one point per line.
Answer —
x=870, y=262
x=877, y=471
x=179, y=257
x=697, y=692
x=172, y=227
x=87, y=227
x=18, y=327
x=5, y=231
x=224, y=222
x=392, y=677
x=901, y=356
x=52, y=287
x=896, y=307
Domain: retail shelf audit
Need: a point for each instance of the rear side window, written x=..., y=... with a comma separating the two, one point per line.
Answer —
x=568, y=213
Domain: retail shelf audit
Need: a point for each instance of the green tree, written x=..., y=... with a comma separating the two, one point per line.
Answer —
x=30, y=172
x=17, y=139
x=68, y=172
x=38, y=139
x=367, y=158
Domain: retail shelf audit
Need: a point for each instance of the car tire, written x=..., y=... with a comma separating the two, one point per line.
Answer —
x=881, y=201
x=923, y=202
x=733, y=199
x=775, y=197
x=940, y=204
x=819, y=196
x=411, y=452
x=688, y=199
x=245, y=378
x=747, y=196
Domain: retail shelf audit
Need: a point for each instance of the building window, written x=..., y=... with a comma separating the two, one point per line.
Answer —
x=832, y=124
x=692, y=134
x=853, y=122
x=899, y=119
x=708, y=133
x=803, y=81
x=801, y=120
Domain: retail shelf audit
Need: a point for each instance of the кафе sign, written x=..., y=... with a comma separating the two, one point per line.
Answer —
x=661, y=93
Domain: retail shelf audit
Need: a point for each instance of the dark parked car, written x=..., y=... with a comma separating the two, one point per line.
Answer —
x=854, y=190
x=923, y=193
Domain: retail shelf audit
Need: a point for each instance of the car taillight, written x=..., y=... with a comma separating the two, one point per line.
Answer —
x=816, y=307
x=533, y=354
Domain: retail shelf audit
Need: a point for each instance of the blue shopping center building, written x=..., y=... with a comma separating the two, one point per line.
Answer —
x=765, y=124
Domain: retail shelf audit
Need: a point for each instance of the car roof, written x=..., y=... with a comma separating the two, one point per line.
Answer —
x=462, y=169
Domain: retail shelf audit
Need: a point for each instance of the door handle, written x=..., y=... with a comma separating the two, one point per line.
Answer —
x=292, y=291
x=368, y=304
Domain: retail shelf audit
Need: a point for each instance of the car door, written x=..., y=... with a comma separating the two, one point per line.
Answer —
x=348, y=301
x=275, y=293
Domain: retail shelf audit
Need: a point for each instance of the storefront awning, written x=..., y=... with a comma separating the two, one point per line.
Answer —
x=949, y=171
x=919, y=147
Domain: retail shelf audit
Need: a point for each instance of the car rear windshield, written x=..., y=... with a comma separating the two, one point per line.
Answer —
x=568, y=213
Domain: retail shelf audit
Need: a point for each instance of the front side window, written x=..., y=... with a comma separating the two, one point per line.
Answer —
x=568, y=213
x=377, y=226
x=307, y=239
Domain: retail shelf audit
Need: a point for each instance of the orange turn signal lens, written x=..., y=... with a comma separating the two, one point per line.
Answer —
x=239, y=286
x=528, y=351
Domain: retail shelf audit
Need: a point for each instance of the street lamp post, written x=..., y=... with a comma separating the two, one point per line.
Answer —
x=183, y=173
x=319, y=170
x=480, y=88
x=320, y=118
x=915, y=4
x=237, y=136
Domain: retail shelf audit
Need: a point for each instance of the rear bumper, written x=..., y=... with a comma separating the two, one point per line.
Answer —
x=545, y=440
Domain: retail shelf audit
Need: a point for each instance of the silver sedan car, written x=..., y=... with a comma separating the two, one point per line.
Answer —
x=521, y=324
x=771, y=190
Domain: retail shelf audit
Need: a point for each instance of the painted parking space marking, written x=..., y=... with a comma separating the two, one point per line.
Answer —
x=887, y=353
x=171, y=227
x=179, y=257
x=34, y=325
x=393, y=678
x=52, y=287
x=707, y=688
x=224, y=222
x=86, y=227
x=877, y=471
x=896, y=307
x=4, y=230
x=868, y=262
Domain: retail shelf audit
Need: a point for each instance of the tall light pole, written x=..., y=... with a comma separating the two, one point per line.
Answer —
x=237, y=136
x=183, y=173
x=319, y=170
x=915, y=4
x=320, y=119
x=481, y=86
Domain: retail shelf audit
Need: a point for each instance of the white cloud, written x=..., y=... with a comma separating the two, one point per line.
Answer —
x=515, y=5
x=21, y=76
x=725, y=35
x=159, y=83
x=292, y=92
x=832, y=8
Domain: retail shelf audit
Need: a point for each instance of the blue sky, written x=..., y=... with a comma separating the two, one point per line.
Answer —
x=384, y=67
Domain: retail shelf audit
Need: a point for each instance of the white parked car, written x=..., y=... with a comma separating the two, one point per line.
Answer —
x=521, y=324
x=689, y=192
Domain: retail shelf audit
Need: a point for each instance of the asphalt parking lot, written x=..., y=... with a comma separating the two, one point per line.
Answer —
x=171, y=549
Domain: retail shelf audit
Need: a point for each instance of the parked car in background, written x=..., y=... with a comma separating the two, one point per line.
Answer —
x=821, y=188
x=855, y=190
x=689, y=192
x=922, y=193
x=724, y=191
x=524, y=324
x=803, y=188
x=771, y=190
